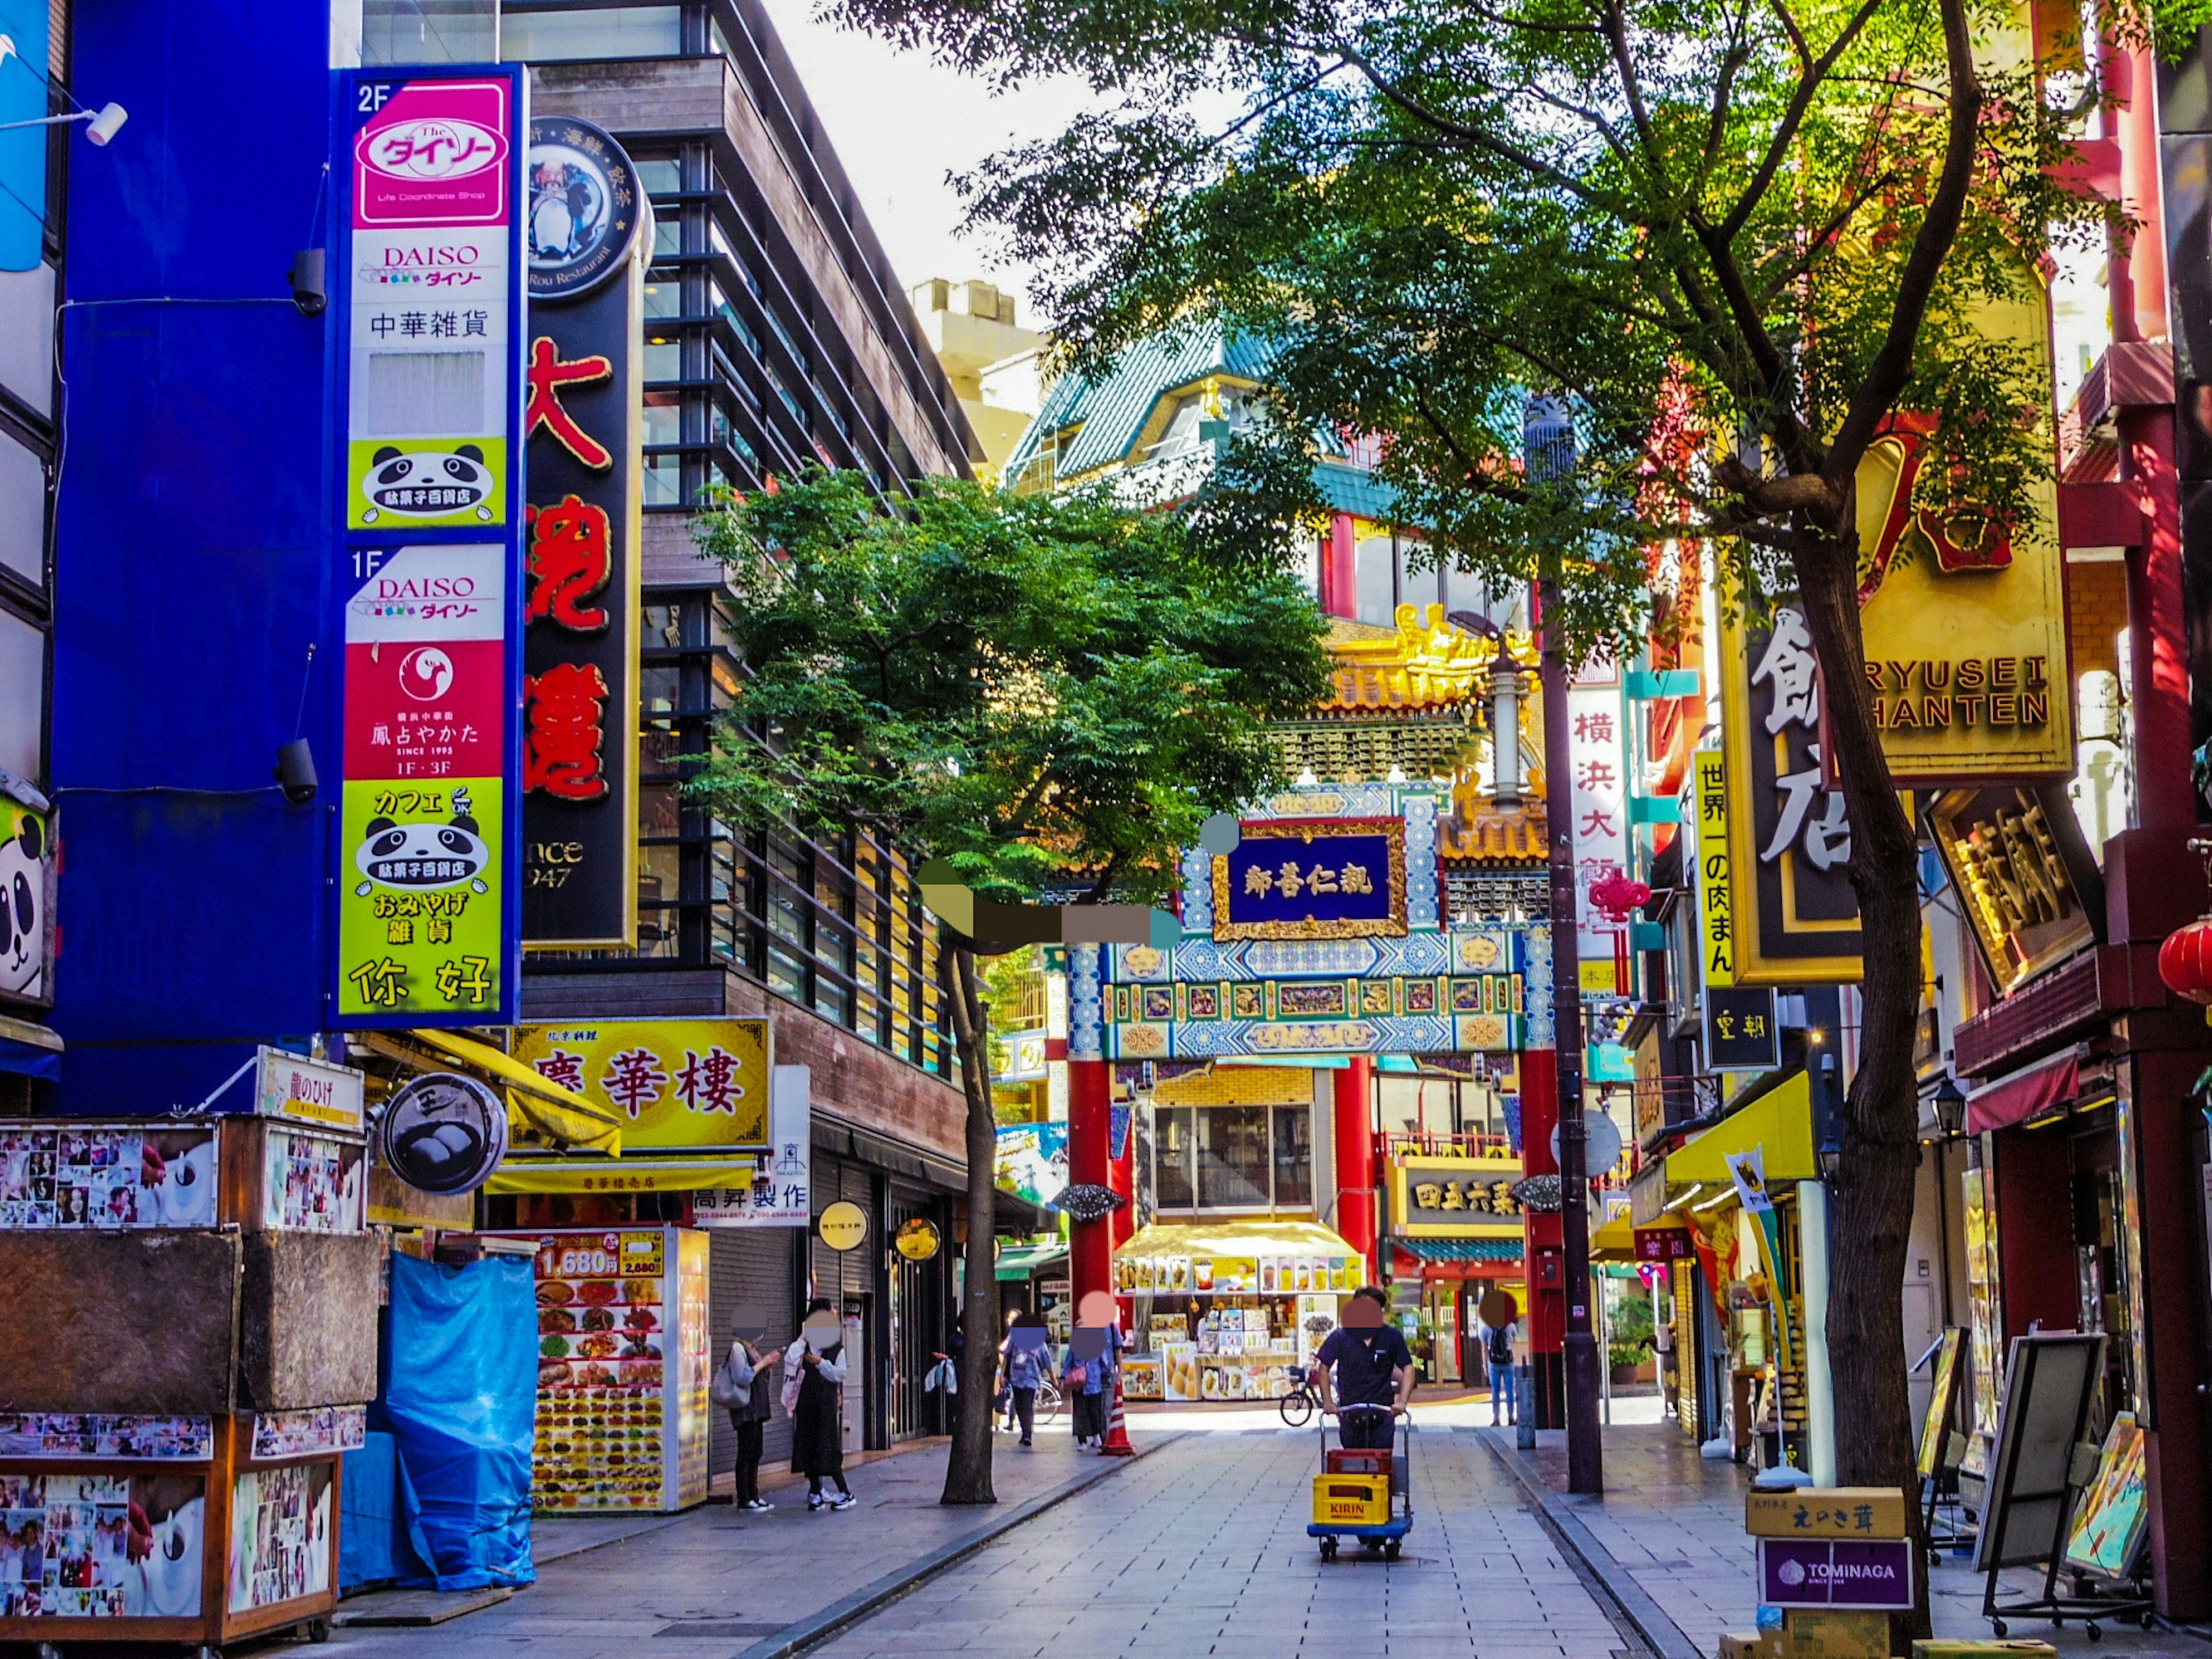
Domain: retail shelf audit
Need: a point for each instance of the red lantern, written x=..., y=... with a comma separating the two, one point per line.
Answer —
x=2184, y=961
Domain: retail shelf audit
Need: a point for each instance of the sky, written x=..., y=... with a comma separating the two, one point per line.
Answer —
x=901, y=123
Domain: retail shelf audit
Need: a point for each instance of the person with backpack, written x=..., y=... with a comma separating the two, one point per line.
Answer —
x=1497, y=1348
x=738, y=1387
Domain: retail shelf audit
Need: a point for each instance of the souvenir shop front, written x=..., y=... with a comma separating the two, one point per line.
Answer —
x=1222, y=1312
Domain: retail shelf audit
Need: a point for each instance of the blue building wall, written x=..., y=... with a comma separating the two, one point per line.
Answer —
x=192, y=553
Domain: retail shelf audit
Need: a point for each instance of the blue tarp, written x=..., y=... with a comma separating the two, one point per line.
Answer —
x=459, y=1398
x=372, y=1548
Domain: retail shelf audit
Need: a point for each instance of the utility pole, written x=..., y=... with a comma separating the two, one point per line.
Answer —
x=1547, y=441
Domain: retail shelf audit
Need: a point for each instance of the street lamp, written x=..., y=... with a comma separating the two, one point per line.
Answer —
x=106, y=121
x=1950, y=1104
x=1505, y=693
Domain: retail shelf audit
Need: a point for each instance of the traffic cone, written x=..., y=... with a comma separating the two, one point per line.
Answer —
x=1117, y=1429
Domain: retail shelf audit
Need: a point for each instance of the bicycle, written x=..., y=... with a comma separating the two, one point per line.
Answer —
x=1297, y=1406
x=1046, y=1408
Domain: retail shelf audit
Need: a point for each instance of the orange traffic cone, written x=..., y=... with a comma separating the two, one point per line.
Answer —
x=1116, y=1444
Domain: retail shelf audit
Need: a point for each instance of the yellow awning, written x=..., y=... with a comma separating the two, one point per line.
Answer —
x=1615, y=1240
x=1779, y=1122
x=537, y=1172
x=535, y=1106
x=1238, y=1240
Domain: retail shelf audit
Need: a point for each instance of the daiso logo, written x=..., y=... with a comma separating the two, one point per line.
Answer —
x=426, y=587
x=436, y=147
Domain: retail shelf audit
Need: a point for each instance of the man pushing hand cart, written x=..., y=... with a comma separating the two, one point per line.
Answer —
x=1366, y=1373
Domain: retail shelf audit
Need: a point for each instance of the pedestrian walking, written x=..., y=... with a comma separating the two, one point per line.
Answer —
x=817, y=1362
x=1087, y=1367
x=1670, y=1377
x=1027, y=1344
x=1002, y=1401
x=1497, y=1348
x=742, y=1388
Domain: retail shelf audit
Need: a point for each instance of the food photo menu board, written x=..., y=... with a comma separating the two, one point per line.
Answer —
x=91, y=1174
x=620, y=1326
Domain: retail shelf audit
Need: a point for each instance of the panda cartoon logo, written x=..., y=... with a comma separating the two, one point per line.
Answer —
x=420, y=856
x=22, y=904
x=428, y=484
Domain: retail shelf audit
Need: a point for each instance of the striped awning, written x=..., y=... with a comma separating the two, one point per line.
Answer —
x=1459, y=1250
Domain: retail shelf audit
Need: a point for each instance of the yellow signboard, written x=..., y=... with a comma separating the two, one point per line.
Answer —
x=1716, y=901
x=686, y=1085
x=1454, y=1198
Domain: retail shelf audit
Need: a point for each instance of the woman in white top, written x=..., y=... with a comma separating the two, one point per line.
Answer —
x=817, y=1443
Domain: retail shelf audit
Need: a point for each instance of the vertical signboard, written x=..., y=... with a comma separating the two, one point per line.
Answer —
x=1715, y=895
x=1597, y=749
x=582, y=425
x=429, y=305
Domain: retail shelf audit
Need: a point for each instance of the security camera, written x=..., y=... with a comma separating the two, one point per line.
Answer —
x=295, y=771
x=310, y=292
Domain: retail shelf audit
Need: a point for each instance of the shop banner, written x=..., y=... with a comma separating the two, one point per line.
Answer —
x=583, y=428
x=428, y=301
x=27, y=894
x=1033, y=1161
x=1794, y=914
x=1597, y=750
x=688, y=1085
x=1312, y=878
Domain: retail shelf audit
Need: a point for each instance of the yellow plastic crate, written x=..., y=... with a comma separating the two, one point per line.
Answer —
x=1351, y=1500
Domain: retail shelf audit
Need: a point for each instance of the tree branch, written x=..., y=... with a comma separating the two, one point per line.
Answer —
x=1800, y=101
x=1891, y=367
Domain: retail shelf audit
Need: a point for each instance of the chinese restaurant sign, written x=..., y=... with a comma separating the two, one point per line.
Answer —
x=1739, y=1031
x=1293, y=878
x=1454, y=1198
x=2024, y=875
x=677, y=1084
x=1709, y=837
x=581, y=427
x=1597, y=750
x=429, y=305
x=1794, y=914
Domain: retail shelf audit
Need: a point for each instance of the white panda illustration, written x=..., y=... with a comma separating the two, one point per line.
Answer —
x=22, y=910
x=420, y=856
x=428, y=484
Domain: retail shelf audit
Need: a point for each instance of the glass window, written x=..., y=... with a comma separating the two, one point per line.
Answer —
x=429, y=32
x=664, y=295
x=664, y=481
x=22, y=512
x=1377, y=579
x=664, y=418
x=1232, y=1158
x=540, y=37
x=660, y=688
x=664, y=359
x=661, y=176
x=1293, y=1155
x=667, y=236
x=22, y=694
x=786, y=972
x=1172, y=1142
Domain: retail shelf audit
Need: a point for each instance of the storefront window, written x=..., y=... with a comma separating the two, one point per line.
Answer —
x=1172, y=1181
x=597, y=31
x=1232, y=1158
x=1293, y=1155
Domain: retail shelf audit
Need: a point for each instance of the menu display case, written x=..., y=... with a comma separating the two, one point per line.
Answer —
x=623, y=1358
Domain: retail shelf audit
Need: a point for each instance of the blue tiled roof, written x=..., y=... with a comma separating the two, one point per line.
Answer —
x=1459, y=1250
x=1114, y=406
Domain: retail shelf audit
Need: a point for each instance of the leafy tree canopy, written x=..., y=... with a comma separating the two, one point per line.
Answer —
x=1052, y=692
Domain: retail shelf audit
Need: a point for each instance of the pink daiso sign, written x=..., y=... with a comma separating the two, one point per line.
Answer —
x=435, y=153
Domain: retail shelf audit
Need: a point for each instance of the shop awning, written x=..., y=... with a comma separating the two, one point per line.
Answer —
x=1020, y=1260
x=1779, y=1122
x=588, y=1172
x=1615, y=1240
x=2028, y=1093
x=535, y=1106
x=1459, y=1250
x=1237, y=1239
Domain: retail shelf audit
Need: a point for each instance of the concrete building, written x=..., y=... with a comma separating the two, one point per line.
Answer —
x=997, y=367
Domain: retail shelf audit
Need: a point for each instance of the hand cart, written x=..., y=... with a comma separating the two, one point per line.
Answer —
x=1365, y=1494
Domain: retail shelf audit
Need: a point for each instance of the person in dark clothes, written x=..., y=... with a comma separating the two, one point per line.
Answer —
x=747, y=1365
x=1372, y=1366
x=817, y=1441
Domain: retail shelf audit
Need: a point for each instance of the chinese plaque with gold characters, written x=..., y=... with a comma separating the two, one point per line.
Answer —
x=582, y=433
x=428, y=306
x=1292, y=879
x=2024, y=874
x=678, y=1085
x=1454, y=1198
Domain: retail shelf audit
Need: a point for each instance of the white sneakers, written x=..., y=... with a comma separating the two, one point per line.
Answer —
x=843, y=1500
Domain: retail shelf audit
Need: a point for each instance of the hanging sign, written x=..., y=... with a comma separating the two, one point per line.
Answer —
x=2024, y=875
x=444, y=1132
x=779, y=1193
x=1597, y=804
x=916, y=1240
x=582, y=428
x=1312, y=878
x=1740, y=1031
x=1716, y=892
x=428, y=305
x=27, y=907
x=843, y=1225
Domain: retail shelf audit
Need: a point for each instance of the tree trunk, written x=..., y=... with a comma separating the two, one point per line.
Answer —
x=1873, y=1186
x=968, y=1469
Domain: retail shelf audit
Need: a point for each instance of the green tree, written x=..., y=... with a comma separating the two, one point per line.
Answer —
x=1731, y=237
x=1050, y=692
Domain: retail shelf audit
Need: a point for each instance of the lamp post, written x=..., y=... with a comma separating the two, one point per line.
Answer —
x=1505, y=694
x=1950, y=1104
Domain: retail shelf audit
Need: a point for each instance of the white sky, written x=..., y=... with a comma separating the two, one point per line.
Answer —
x=900, y=123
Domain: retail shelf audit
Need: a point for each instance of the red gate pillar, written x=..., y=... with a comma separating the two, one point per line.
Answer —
x=1354, y=1144
x=1090, y=1111
x=1543, y=1245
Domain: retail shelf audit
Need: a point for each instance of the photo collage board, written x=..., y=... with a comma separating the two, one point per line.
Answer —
x=280, y=1535
x=89, y=1175
x=101, y=1546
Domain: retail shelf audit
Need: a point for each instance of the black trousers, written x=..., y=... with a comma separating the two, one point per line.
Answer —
x=1368, y=1431
x=1025, y=1410
x=1090, y=1415
x=749, y=1459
